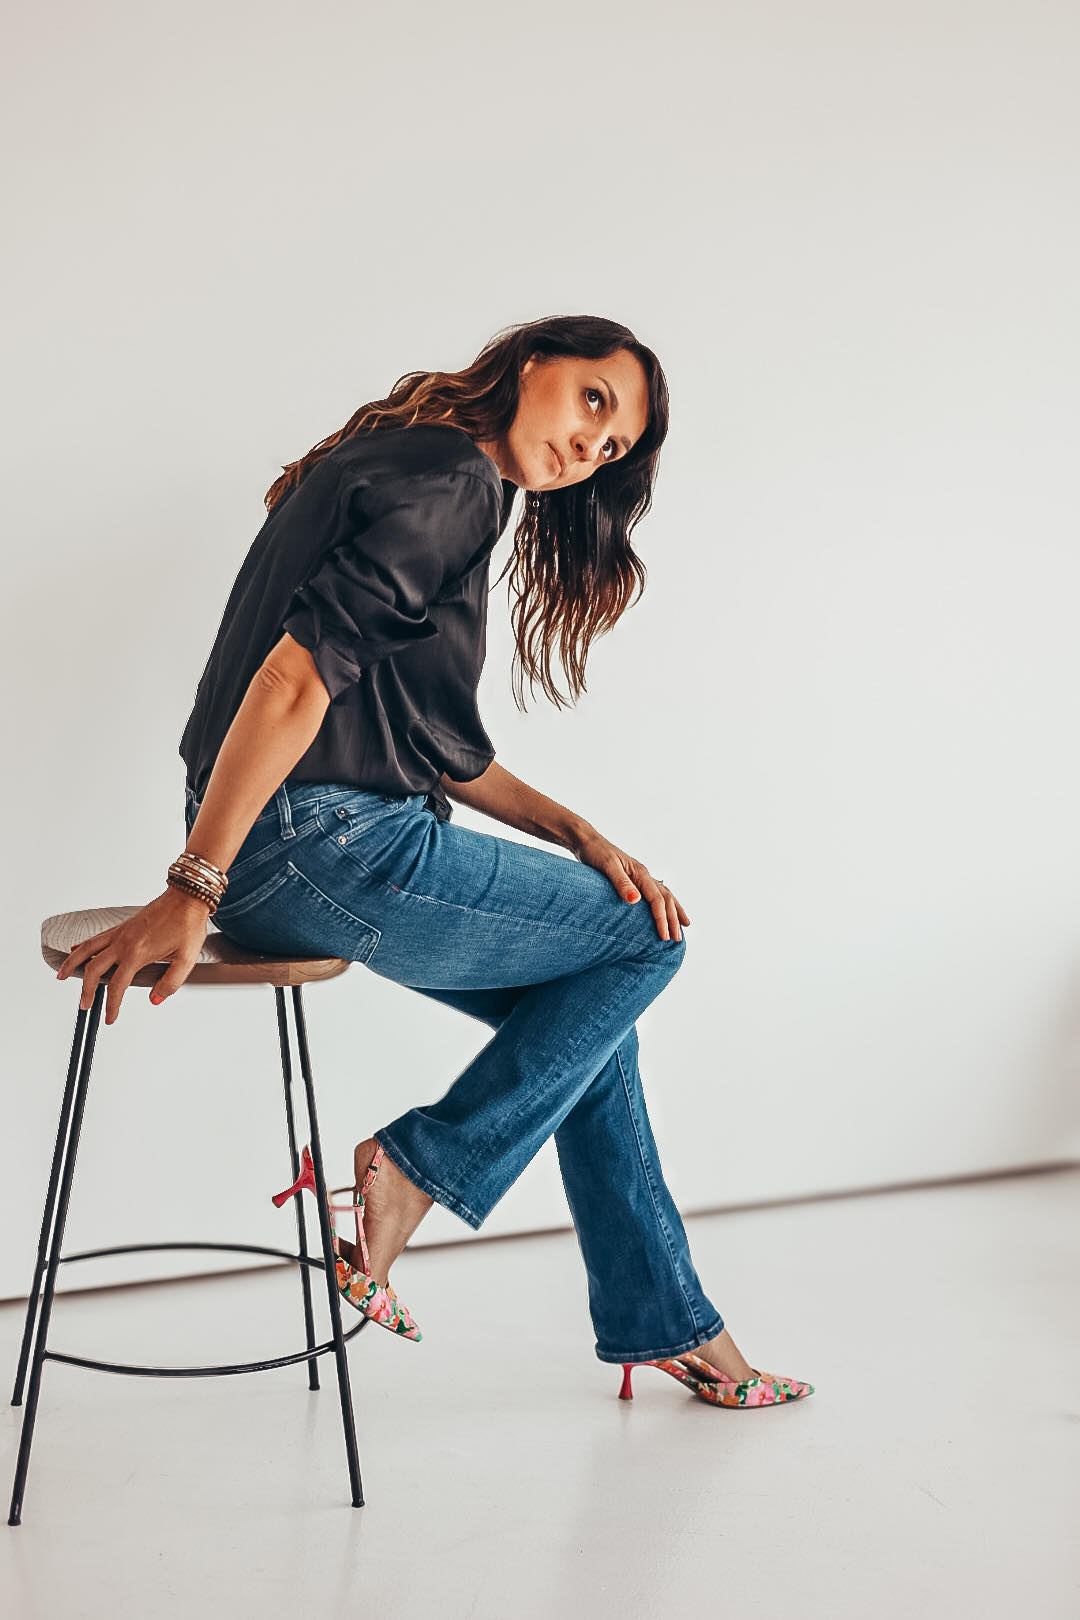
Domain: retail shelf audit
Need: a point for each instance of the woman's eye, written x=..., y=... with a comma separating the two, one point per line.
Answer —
x=600, y=397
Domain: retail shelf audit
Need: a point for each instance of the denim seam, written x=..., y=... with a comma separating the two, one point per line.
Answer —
x=660, y=1221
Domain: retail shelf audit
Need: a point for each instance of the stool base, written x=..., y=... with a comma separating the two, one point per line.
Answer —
x=146, y=1371
x=50, y=1258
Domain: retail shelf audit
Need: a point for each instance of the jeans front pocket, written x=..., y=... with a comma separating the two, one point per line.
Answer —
x=289, y=915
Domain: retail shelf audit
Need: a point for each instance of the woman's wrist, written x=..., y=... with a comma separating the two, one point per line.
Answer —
x=196, y=876
x=575, y=832
x=183, y=901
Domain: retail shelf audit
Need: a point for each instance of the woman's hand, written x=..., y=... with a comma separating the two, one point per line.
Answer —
x=170, y=929
x=632, y=879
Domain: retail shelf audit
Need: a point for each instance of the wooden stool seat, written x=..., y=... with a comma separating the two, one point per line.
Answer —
x=220, y=960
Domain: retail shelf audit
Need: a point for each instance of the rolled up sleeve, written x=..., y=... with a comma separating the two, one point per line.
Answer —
x=406, y=540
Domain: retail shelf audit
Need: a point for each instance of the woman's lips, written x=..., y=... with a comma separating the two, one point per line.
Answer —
x=559, y=460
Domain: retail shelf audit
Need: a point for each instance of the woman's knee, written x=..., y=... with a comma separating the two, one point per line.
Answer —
x=669, y=952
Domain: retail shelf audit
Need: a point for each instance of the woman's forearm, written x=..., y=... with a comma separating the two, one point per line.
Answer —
x=510, y=800
x=273, y=727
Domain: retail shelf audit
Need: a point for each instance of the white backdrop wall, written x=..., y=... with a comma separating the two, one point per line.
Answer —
x=841, y=722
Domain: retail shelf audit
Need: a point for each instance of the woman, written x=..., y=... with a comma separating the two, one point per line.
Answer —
x=337, y=713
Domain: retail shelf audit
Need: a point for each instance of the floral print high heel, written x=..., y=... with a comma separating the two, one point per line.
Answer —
x=358, y=1287
x=703, y=1379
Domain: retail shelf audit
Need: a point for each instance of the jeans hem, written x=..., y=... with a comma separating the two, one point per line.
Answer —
x=630, y=1356
x=440, y=1194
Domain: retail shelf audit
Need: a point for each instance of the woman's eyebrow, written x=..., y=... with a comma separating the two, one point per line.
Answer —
x=623, y=440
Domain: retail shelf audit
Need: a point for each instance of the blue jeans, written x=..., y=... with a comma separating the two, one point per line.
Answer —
x=539, y=947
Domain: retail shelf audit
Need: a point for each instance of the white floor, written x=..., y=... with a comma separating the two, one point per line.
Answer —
x=934, y=1469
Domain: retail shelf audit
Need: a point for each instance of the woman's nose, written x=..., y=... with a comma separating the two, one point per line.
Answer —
x=587, y=448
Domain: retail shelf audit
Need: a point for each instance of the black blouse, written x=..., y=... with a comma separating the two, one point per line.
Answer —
x=377, y=563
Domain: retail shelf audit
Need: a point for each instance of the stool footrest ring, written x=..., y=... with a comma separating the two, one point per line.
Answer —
x=201, y=1372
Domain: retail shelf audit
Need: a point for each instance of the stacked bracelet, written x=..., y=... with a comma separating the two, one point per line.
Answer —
x=199, y=877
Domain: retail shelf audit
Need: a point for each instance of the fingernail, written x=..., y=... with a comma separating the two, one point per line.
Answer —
x=157, y=1000
x=631, y=894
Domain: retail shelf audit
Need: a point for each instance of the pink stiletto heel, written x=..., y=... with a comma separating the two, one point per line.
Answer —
x=703, y=1379
x=359, y=1287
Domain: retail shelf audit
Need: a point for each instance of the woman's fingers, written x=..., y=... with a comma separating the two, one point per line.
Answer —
x=614, y=869
x=173, y=978
x=663, y=904
x=167, y=930
x=632, y=881
x=665, y=908
x=118, y=985
x=85, y=949
x=96, y=966
x=676, y=912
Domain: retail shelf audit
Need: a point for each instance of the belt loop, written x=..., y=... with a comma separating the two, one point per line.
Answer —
x=285, y=813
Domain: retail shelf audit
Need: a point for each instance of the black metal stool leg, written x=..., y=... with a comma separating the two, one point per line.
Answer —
x=329, y=1263
x=298, y=1200
x=15, y=1515
x=50, y=1201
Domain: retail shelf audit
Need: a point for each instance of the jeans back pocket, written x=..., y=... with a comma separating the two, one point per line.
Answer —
x=289, y=915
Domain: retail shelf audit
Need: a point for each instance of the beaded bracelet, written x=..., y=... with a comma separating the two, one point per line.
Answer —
x=202, y=866
x=195, y=875
x=189, y=887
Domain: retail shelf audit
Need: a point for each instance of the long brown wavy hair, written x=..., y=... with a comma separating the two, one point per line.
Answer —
x=574, y=570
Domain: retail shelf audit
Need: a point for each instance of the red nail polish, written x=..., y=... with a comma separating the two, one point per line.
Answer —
x=157, y=1000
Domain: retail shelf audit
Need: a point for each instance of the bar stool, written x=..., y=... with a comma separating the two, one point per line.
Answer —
x=220, y=962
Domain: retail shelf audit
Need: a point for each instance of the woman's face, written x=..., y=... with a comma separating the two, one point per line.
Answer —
x=573, y=416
